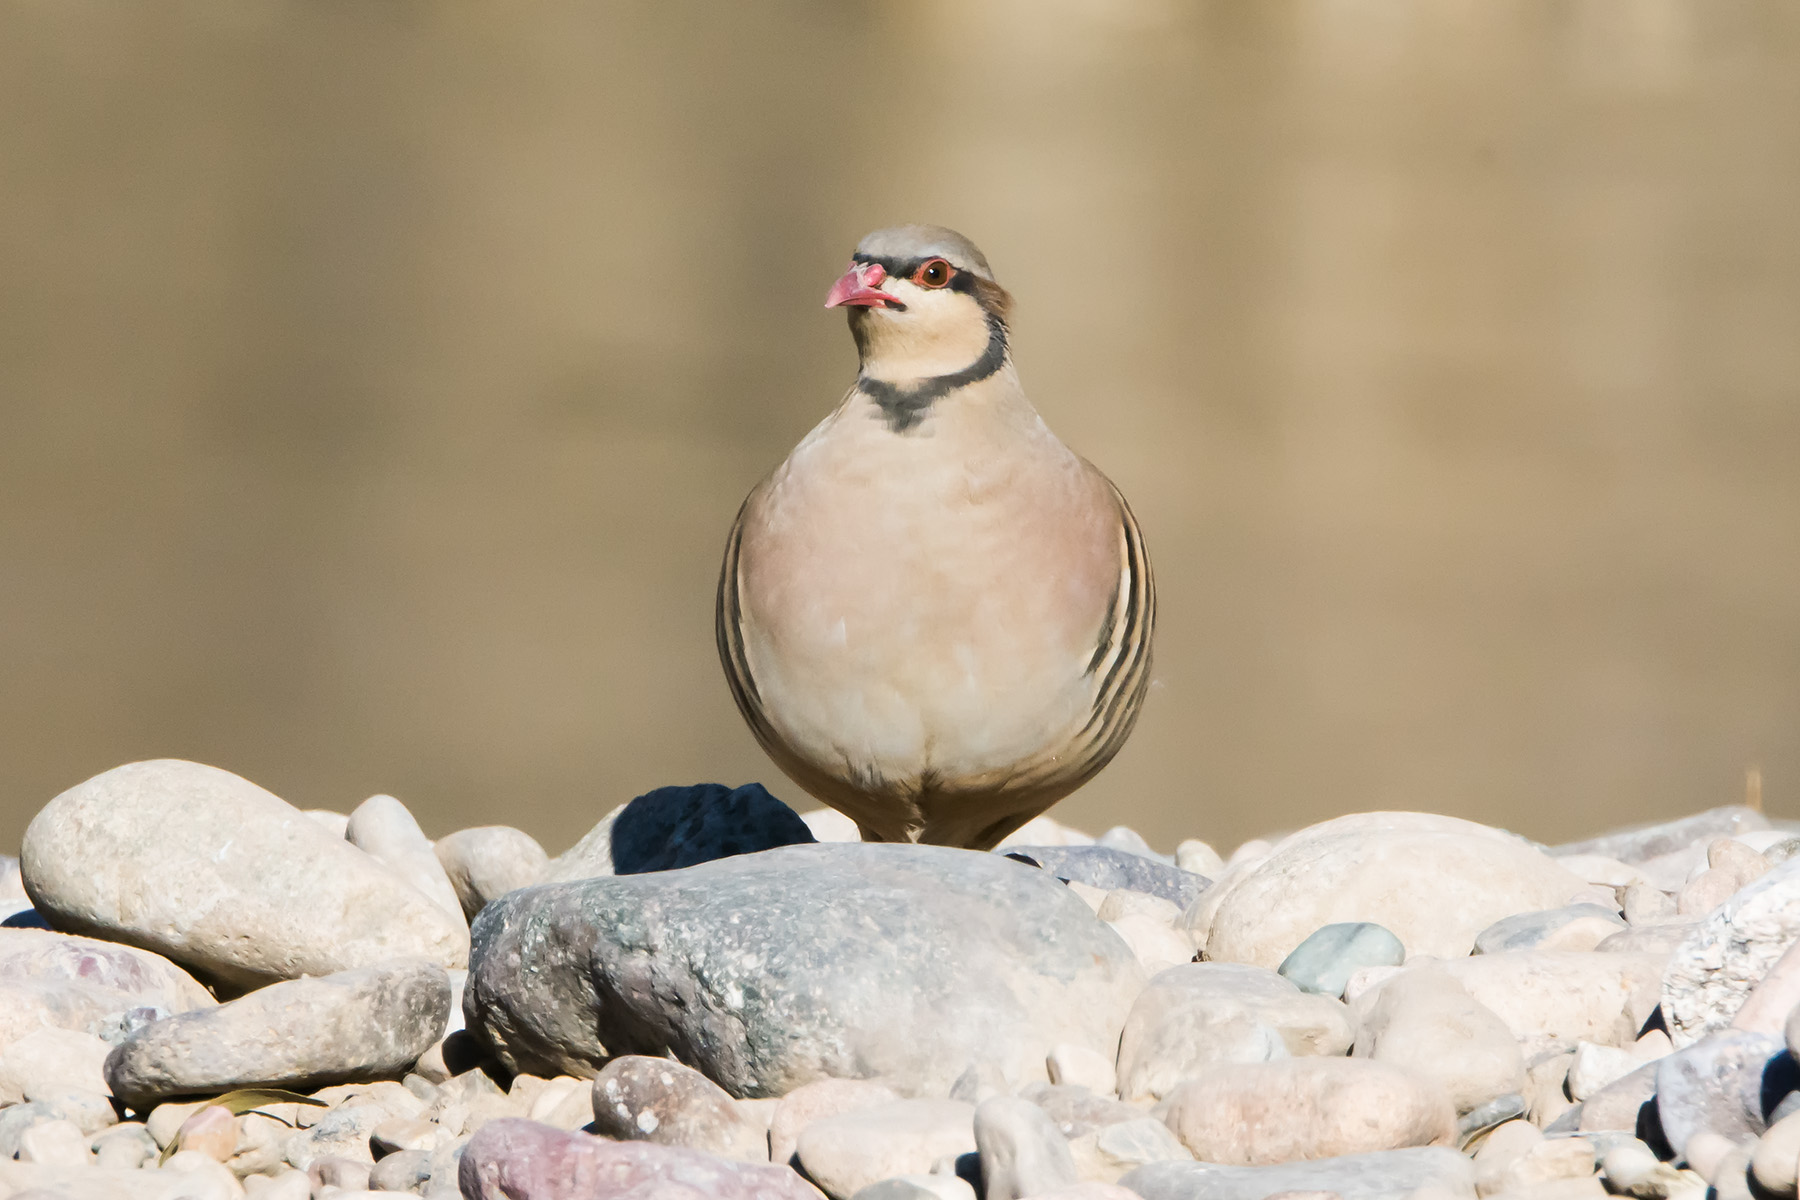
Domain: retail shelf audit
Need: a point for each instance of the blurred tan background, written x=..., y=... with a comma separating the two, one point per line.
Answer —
x=378, y=381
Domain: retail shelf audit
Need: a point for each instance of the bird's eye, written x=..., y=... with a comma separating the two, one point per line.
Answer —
x=934, y=274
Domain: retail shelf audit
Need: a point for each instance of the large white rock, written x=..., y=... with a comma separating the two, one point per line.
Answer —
x=1434, y=881
x=1714, y=970
x=212, y=871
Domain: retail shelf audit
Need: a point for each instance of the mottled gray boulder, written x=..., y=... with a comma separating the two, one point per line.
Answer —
x=515, y=1159
x=382, y=827
x=1571, y=927
x=766, y=971
x=1385, y=1175
x=1198, y=1015
x=638, y=1099
x=1639, y=843
x=1108, y=868
x=1728, y=1083
x=1324, y=962
x=682, y=826
x=488, y=861
x=369, y=1023
x=230, y=881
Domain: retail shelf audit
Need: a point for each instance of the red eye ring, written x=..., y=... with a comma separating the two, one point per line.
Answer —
x=935, y=273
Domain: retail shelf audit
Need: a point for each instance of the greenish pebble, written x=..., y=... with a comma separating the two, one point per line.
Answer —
x=1324, y=962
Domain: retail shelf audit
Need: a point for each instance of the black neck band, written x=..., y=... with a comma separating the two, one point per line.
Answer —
x=904, y=407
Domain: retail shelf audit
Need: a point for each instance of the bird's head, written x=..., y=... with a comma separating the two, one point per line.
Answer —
x=922, y=301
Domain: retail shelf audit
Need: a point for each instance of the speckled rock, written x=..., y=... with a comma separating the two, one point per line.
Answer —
x=1727, y=1083
x=1434, y=882
x=1324, y=962
x=514, y=1159
x=770, y=970
x=369, y=1023
x=1191, y=1017
x=382, y=827
x=848, y=1152
x=1424, y=1022
x=639, y=1099
x=1255, y=1114
x=1107, y=867
x=217, y=874
x=1571, y=927
x=681, y=826
x=1387, y=1175
x=488, y=861
x=1714, y=970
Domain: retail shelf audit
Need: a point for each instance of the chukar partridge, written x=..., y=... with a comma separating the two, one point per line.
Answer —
x=934, y=615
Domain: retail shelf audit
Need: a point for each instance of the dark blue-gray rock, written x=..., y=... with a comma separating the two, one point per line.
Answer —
x=681, y=826
x=766, y=971
x=1107, y=868
x=1572, y=927
x=354, y=1026
x=1324, y=962
x=1637, y=843
x=1728, y=1082
x=1384, y=1175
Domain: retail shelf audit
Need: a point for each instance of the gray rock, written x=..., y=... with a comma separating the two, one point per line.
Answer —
x=369, y=1023
x=1728, y=1083
x=1385, y=1175
x=639, y=1099
x=514, y=1159
x=1324, y=962
x=1197, y=1015
x=767, y=971
x=1482, y=1118
x=1022, y=1153
x=683, y=826
x=341, y=1133
x=401, y=1171
x=488, y=861
x=1572, y=927
x=220, y=876
x=1619, y=1106
x=1107, y=867
x=382, y=827
x=1642, y=842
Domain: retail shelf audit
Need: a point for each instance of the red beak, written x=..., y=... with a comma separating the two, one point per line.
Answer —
x=859, y=287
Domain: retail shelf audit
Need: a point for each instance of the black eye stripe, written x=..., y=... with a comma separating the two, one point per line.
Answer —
x=961, y=279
